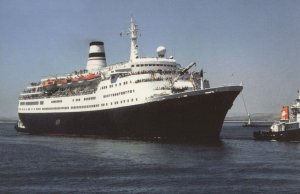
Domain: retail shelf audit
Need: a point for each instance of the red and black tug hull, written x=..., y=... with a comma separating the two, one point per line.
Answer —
x=196, y=117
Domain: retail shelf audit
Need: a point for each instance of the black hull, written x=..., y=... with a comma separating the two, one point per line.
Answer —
x=197, y=117
x=290, y=135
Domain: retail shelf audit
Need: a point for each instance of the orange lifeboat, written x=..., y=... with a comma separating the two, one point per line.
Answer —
x=62, y=81
x=75, y=79
x=90, y=76
x=81, y=78
x=49, y=83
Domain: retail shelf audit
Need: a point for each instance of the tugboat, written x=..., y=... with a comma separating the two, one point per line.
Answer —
x=143, y=97
x=287, y=128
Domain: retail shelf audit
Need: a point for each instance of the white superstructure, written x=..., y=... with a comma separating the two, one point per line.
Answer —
x=288, y=121
x=100, y=87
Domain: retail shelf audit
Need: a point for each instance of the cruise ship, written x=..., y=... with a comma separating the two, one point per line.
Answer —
x=143, y=97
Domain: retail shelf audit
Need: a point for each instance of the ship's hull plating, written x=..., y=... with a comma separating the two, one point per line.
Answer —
x=195, y=117
x=289, y=135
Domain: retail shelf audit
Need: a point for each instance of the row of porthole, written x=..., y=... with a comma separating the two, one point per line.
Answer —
x=90, y=98
x=32, y=103
x=121, y=102
x=158, y=65
x=117, y=94
x=112, y=85
x=49, y=108
x=86, y=106
x=61, y=108
x=56, y=101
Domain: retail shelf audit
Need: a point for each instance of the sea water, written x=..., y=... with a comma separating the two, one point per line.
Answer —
x=56, y=164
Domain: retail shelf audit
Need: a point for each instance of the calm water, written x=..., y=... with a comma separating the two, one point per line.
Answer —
x=50, y=164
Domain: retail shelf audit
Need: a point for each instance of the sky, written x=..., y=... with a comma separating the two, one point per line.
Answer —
x=255, y=42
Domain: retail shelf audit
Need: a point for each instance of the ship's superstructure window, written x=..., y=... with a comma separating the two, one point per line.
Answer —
x=31, y=90
x=56, y=108
x=153, y=65
x=120, y=102
x=86, y=106
x=119, y=93
x=90, y=98
x=41, y=102
x=32, y=103
x=22, y=103
x=148, y=80
x=56, y=101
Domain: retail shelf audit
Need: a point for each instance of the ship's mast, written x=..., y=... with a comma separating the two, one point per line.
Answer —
x=297, y=105
x=133, y=30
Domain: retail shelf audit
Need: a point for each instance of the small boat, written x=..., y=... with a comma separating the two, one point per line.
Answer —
x=20, y=126
x=286, y=129
x=61, y=82
x=49, y=84
x=90, y=76
x=251, y=123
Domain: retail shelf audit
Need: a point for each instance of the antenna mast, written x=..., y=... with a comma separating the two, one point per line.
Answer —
x=133, y=30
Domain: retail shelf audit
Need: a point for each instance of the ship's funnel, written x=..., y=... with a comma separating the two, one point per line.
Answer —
x=96, y=60
x=285, y=113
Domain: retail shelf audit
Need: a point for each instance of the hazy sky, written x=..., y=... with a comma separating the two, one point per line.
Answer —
x=256, y=42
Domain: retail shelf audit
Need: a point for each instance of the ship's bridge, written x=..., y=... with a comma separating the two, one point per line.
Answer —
x=140, y=65
x=148, y=64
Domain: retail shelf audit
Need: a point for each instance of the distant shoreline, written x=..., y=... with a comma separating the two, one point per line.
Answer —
x=8, y=121
x=246, y=121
